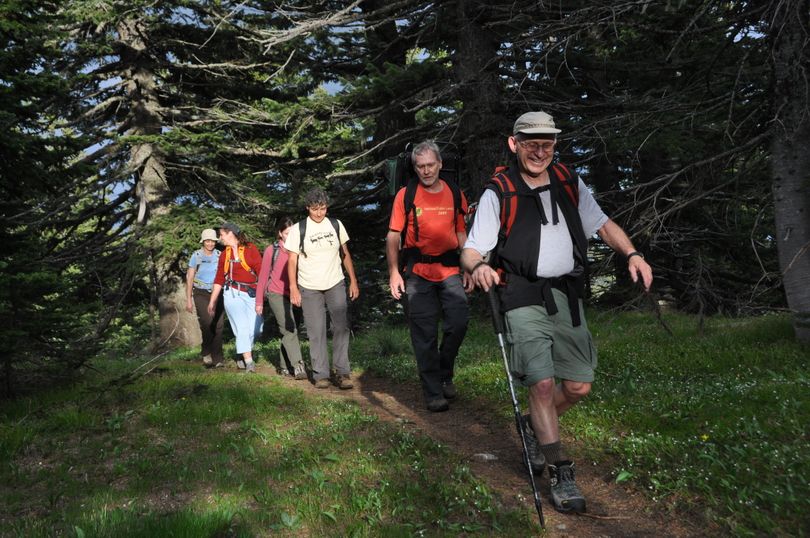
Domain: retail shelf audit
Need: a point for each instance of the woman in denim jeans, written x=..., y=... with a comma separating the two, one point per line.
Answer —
x=236, y=279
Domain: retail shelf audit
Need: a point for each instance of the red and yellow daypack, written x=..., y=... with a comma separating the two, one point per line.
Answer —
x=242, y=262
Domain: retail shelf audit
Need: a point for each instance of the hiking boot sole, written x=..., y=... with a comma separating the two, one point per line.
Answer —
x=577, y=506
x=344, y=383
x=438, y=405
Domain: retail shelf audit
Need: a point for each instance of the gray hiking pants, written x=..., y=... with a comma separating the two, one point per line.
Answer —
x=315, y=304
x=285, y=320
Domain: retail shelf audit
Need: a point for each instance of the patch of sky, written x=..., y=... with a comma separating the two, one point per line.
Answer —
x=109, y=83
x=749, y=32
x=332, y=87
x=194, y=200
x=97, y=146
x=185, y=15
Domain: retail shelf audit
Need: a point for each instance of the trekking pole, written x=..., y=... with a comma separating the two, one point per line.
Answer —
x=497, y=321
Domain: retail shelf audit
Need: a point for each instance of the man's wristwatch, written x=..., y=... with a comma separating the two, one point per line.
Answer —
x=634, y=253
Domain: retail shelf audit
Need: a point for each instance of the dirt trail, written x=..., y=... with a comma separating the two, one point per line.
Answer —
x=613, y=510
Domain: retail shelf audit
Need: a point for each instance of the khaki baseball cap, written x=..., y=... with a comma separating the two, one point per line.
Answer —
x=535, y=123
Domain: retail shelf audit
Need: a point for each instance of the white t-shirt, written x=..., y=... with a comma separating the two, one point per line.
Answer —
x=321, y=268
x=556, y=256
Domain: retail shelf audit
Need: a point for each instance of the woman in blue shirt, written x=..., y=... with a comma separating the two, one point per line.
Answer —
x=202, y=268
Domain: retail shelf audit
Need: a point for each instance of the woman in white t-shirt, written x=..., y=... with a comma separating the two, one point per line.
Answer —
x=316, y=245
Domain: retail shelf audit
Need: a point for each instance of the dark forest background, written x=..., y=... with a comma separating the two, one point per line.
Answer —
x=130, y=126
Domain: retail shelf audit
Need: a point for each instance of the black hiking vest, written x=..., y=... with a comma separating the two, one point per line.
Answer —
x=517, y=252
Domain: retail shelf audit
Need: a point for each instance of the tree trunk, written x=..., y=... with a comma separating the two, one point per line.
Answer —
x=790, y=157
x=176, y=326
x=483, y=124
x=386, y=46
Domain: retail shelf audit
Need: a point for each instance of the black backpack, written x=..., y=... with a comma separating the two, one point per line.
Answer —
x=400, y=173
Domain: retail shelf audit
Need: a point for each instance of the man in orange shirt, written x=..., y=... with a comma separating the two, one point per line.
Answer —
x=432, y=281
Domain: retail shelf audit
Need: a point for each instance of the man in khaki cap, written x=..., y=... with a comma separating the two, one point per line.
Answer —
x=540, y=253
x=202, y=268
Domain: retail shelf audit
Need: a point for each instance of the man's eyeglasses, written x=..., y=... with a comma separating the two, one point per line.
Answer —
x=534, y=146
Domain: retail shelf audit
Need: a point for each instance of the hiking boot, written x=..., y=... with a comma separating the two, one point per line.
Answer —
x=438, y=405
x=344, y=382
x=250, y=368
x=240, y=363
x=449, y=390
x=322, y=383
x=565, y=494
x=536, y=457
x=300, y=375
x=208, y=362
x=219, y=365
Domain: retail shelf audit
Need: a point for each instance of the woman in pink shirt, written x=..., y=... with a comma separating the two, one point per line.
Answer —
x=275, y=283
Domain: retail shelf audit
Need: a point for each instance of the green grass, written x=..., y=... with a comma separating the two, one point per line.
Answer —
x=715, y=424
x=719, y=421
x=183, y=452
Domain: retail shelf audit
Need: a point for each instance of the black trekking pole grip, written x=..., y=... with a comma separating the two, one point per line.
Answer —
x=495, y=306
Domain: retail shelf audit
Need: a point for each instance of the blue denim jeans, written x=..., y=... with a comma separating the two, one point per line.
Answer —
x=246, y=325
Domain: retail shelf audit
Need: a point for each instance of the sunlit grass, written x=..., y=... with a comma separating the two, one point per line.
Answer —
x=719, y=421
x=187, y=452
x=716, y=423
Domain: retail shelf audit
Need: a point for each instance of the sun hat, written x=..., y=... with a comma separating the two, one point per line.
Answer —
x=535, y=123
x=207, y=234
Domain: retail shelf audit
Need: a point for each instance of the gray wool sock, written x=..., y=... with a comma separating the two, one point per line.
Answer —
x=553, y=452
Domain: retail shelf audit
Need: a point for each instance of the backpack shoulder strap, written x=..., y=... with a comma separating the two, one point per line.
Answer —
x=198, y=254
x=274, y=256
x=408, y=201
x=569, y=182
x=503, y=186
x=456, y=190
x=302, y=231
x=336, y=226
x=243, y=262
x=227, y=266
